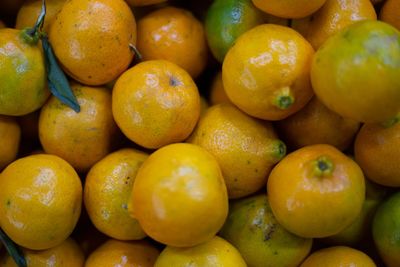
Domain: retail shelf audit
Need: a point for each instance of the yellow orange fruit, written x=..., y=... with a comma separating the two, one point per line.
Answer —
x=289, y=8
x=390, y=13
x=10, y=136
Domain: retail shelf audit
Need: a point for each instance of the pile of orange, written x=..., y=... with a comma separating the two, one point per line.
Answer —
x=226, y=133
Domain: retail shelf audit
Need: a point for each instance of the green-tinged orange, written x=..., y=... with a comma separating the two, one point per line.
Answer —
x=40, y=202
x=356, y=72
x=124, y=254
x=252, y=228
x=10, y=135
x=245, y=148
x=22, y=74
x=266, y=73
x=386, y=230
x=338, y=256
x=316, y=191
x=107, y=190
x=226, y=20
x=179, y=196
x=68, y=253
x=215, y=252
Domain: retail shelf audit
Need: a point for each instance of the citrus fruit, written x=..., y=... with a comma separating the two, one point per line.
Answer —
x=30, y=11
x=156, y=103
x=179, y=196
x=81, y=138
x=41, y=201
x=118, y=253
x=289, y=8
x=68, y=253
x=226, y=20
x=266, y=72
x=386, y=230
x=215, y=252
x=390, y=13
x=316, y=191
x=91, y=39
x=22, y=74
x=252, y=228
x=334, y=16
x=108, y=186
x=245, y=148
x=173, y=34
x=376, y=152
x=338, y=256
x=217, y=91
x=355, y=73
x=360, y=229
x=316, y=124
x=10, y=135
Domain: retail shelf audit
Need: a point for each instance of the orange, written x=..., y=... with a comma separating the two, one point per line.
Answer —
x=226, y=20
x=68, y=253
x=10, y=135
x=156, y=103
x=118, y=253
x=386, y=230
x=289, y=8
x=245, y=148
x=334, y=16
x=356, y=72
x=217, y=92
x=266, y=73
x=108, y=186
x=91, y=39
x=216, y=252
x=30, y=10
x=42, y=197
x=316, y=191
x=252, y=228
x=338, y=256
x=81, y=138
x=390, y=13
x=175, y=35
x=22, y=74
x=144, y=2
x=360, y=229
x=316, y=124
x=179, y=196
x=375, y=149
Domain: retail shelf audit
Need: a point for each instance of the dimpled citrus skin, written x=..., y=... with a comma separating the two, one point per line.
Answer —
x=68, y=253
x=156, y=103
x=116, y=253
x=252, y=228
x=338, y=256
x=289, y=8
x=356, y=72
x=334, y=16
x=267, y=65
x=40, y=201
x=245, y=148
x=91, y=39
x=22, y=75
x=30, y=10
x=316, y=191
x=217, y=253
x=173, y=34
x=179, y=196
x=10, y=135
x=108, y=186
x=81, y=138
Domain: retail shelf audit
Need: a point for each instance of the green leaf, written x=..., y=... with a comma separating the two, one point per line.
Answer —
x=58, y=83
x=13, y=250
